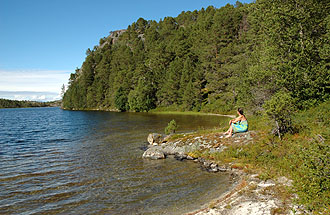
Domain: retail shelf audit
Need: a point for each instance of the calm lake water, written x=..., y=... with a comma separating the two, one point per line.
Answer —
x=54, y=161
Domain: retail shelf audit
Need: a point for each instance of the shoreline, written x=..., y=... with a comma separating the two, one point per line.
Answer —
x=156, y=112
x=249, y=194
x=252, y=196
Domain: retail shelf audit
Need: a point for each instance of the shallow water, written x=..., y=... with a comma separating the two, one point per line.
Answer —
x=54, y=161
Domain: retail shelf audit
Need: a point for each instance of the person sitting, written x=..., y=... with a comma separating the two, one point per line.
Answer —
x=238, y=124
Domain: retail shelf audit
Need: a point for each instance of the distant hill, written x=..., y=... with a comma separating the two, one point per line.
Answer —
x=6, y=103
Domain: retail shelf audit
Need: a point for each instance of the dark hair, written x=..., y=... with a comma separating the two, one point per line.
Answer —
x=240, y=110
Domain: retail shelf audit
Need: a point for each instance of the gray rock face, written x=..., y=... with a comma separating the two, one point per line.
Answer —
x=154, y=154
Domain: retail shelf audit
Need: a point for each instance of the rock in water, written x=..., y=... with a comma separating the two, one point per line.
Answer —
x=214, y=167
x=155, y=139
x=154, y=154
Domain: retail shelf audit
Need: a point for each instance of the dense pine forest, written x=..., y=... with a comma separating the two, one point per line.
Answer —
x=211, y=60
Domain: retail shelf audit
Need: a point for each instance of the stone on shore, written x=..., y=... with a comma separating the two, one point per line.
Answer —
x=156, y=139
x=160, y=147
x=154, y=153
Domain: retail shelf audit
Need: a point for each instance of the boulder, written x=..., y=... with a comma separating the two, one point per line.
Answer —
x=154, y=154
x=213, y=167
x=156, y=139
x=170, y=149
x=222, y=168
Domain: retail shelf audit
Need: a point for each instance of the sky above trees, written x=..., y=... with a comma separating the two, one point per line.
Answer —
x=46, y=40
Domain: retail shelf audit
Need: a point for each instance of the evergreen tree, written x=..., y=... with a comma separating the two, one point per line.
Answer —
x=62, y=91
x=142, y=97
x=121, y=100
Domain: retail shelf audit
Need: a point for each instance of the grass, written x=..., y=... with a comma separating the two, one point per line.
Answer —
x=303, y=156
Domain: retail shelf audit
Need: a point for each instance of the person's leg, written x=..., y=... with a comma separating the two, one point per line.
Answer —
x=230, y=128
x=230, y=131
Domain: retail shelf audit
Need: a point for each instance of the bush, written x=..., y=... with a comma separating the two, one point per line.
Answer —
x=312, y=162
x=280, y=109
x=171, y=127
x=312, y=180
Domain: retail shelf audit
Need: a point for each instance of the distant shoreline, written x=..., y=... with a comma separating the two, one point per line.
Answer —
x=7, y=103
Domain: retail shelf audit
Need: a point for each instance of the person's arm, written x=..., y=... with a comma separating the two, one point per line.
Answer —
x=236, y=120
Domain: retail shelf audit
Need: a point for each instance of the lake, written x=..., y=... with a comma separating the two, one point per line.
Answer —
x=54, y=161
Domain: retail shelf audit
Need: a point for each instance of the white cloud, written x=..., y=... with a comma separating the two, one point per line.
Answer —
x=32, y=96
x=33, y=80
x=19, y=97
x=43, y=97
x=36, y=85
x=58, y=97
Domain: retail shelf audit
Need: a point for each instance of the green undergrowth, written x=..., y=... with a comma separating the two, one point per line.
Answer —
x=302, y=155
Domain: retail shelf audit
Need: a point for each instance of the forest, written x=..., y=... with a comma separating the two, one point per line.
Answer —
x=211, y=60
x=270, y=57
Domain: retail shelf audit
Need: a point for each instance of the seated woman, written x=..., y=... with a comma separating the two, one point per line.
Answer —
x=237, y=125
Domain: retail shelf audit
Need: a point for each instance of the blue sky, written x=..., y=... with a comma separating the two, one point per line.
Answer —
x=43, y=41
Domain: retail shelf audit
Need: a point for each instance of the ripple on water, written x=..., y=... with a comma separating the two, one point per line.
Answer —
x=62, y=162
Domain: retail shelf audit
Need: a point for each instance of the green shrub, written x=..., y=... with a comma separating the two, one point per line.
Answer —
x=171, y=127
x=312, y=161
x=280, y=109
x=312, y=180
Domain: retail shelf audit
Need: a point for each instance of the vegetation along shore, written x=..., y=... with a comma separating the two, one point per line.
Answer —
x=270, y=57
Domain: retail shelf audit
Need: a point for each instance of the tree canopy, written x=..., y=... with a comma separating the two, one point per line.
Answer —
x=211, y=60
